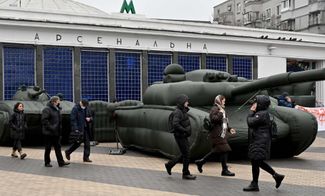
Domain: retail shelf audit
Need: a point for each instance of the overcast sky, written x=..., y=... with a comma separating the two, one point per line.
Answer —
x=167, y=9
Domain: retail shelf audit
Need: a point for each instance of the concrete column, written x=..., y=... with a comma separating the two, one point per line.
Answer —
x=77, y=74
x=203, y=61
x=230, y=64
x=320, y=86
x=112, y=74
x=255, y=68
x=39, y=70
x=175, y=57
x=144, y=72
x=1, y=73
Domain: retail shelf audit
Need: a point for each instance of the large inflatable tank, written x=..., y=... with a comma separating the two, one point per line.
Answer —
x=144, y=126
x=34, y=100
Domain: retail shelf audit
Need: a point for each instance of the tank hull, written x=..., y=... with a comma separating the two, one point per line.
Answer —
x=145, y=128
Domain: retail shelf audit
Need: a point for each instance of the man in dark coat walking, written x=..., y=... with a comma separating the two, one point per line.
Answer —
x=80, y=129
x=258, y=121
x=52, y=131
x=182, y=130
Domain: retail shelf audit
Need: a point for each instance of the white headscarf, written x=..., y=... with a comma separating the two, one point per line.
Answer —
x=218, y=102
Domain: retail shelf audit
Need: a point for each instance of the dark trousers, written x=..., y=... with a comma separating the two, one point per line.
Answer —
x=77, y=144
x=256, y=165
x=223, y=158
x=56, y=143
x=17, y=145
x=184, y=147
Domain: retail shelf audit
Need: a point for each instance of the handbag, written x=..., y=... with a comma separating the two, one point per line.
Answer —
x=76, y=137
x=207, y=124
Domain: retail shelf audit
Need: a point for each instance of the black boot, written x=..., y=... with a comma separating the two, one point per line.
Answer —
x=199, y=164
x=22, y=155
x=168, y=169
x=63, y=164
x=252, y=187
x=188, y=177
x=226, y=172
x=278, y=179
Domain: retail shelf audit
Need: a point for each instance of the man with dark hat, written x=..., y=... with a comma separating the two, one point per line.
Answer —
x=80, y=119
x=182, y=130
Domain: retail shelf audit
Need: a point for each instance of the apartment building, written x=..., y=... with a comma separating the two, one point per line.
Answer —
x=287, y=15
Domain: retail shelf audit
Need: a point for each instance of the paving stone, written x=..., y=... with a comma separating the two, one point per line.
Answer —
x=137, y=173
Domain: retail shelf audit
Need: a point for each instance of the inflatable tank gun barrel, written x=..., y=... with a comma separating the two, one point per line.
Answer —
x=279, y=80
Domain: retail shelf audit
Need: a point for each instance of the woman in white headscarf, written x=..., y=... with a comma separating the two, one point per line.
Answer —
x=218, y=135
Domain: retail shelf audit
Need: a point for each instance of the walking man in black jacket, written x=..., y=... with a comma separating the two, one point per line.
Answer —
x=52, y=131
x=80, y=119
x=182, y=130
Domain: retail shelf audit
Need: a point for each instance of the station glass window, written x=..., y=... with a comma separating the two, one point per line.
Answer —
x=94, y=80
x=58, y=72
x=156, y=66
x=19, y=69
x=243, y=66
x=189, y=62
x=128, y=76
x=216, y=63
x=294, y=65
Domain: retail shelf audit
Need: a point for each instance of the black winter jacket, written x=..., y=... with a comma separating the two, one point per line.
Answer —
x=51, y=120
x=181, y=121
x=18, y=125
x=259, y=130
x=78, y=118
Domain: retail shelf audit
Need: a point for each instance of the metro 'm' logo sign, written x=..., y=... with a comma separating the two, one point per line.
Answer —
x=127, y=7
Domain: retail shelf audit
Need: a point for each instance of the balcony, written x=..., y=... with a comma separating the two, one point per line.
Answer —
x=251, y=2
x=316, y=5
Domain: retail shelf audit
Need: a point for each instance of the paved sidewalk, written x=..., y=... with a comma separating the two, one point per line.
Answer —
x=136, y=173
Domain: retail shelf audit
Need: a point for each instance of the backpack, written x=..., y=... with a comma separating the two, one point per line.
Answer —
x=273, y=128
x=170, y=123
x=207, y=124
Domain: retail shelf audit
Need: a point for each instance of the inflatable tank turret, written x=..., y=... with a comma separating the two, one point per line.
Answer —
x=32, y=93
x=144, y=126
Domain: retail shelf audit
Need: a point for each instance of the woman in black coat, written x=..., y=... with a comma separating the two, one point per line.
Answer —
x=218, y=136
x=258, y=121
x=181, y=127
x=18, y=127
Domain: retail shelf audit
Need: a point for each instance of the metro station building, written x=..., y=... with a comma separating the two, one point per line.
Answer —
x=71, y=48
